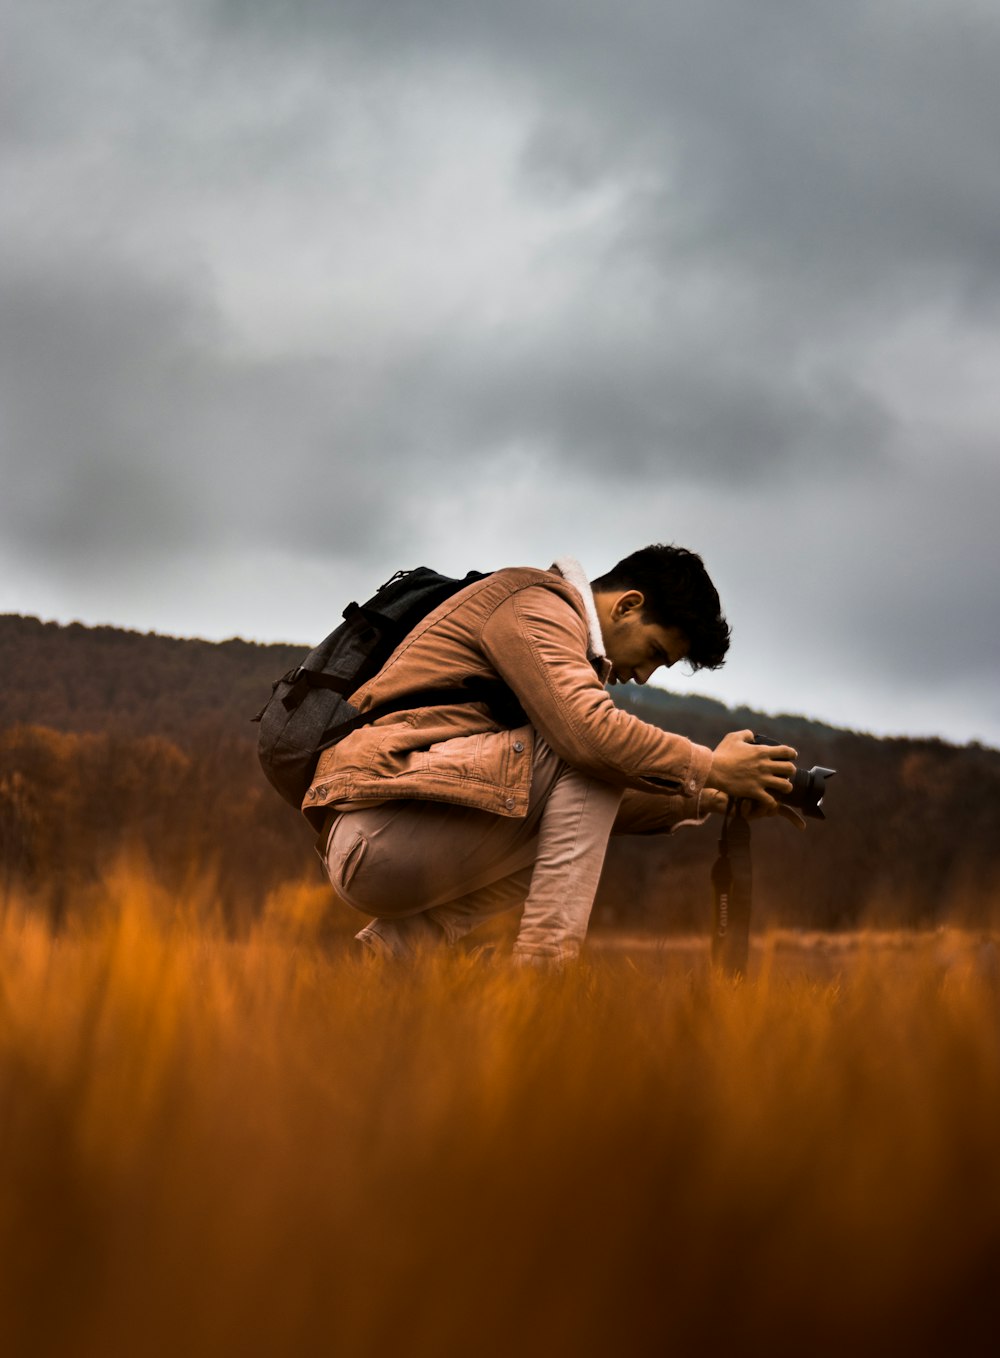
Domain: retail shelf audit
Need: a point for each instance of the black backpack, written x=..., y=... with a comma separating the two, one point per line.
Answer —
x=308, y=710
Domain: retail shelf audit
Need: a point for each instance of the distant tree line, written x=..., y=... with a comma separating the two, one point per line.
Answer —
x=115, y=742
x=80, y=678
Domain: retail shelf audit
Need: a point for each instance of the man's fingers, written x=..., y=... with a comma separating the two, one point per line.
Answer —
x=783, y=753
x=778, y=759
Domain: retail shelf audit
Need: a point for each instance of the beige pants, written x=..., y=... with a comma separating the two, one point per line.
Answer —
x=430, y=872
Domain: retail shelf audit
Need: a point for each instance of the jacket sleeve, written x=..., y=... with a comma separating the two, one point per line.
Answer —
x=642, y=813
x=537, y=642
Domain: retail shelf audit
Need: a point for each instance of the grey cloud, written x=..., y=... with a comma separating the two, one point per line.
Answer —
x=842, y=141
x=832, y=166
x=782, y=187
x=85, y=364
x=657, y=408
x=886, y=582
x=926, y=568
x=127, y=433
x=131, y=430
x=758, y=141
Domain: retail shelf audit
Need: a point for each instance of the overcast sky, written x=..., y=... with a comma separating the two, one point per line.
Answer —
x=294, y=293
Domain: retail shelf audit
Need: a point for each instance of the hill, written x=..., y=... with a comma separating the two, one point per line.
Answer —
x=76, y=678
x=112, y=739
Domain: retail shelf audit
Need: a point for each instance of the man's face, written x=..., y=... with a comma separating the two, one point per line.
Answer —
x=637, y=648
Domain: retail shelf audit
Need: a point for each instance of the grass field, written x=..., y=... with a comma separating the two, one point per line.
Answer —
x=269, y=1146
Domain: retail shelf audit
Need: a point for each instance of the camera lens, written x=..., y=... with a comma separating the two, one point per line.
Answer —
x=808, y=787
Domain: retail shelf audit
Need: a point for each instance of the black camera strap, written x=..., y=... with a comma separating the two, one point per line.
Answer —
x=732, y=881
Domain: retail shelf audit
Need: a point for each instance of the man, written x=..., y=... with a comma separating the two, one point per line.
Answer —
x=441, y=817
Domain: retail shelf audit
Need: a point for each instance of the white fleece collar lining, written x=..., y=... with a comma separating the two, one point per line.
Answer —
x=573, y=573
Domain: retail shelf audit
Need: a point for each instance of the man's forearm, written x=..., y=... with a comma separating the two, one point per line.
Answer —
x=647, y=813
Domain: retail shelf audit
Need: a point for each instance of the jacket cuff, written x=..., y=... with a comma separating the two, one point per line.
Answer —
x=701, y=764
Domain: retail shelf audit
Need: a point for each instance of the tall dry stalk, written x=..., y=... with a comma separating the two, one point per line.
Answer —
x=267, y=1146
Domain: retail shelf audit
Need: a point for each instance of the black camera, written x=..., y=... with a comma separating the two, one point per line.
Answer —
x=808, y=786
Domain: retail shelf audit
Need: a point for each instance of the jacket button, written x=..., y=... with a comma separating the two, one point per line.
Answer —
x=510, y=803
x=518, y=746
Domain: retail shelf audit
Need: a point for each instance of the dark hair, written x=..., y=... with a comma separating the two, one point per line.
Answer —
x=678, y=593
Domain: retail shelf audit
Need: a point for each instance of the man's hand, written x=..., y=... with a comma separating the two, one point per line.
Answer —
x=742, y=769
x=717, y=803
x=755, y=810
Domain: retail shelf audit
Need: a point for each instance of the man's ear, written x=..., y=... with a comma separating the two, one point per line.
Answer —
x=629, y=602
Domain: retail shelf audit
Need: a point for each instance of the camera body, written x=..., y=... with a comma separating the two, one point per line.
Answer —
x=808, y=786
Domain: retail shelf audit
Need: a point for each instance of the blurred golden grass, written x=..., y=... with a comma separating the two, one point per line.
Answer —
x=270, y=1146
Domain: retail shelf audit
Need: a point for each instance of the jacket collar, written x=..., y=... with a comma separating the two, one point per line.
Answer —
x=573, y=573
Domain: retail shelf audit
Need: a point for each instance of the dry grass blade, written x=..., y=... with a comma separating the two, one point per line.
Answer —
x=268, y=1146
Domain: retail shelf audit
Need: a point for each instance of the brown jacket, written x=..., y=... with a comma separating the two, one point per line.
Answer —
x=529, y=627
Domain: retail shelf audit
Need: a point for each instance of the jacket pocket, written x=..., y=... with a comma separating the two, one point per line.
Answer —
x=461, y=757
